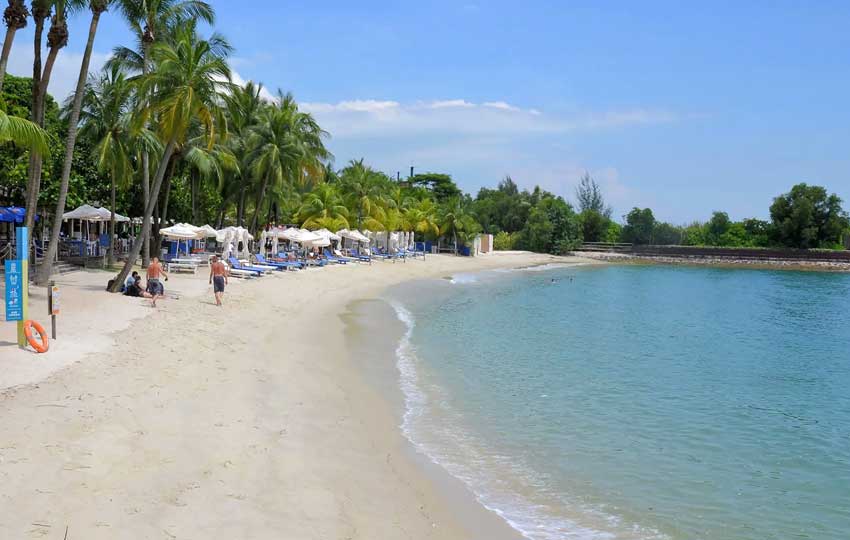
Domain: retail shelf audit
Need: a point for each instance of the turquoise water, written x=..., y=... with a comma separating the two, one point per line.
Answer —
x=638, y=402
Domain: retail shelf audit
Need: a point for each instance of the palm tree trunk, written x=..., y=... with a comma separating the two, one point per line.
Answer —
x=47, y=267
x=111, y=258
x=221, y=212
x=146, y=176
x=136, y=249
x=145, y=233
x=40, y=16
x=163, y=218
x=36, y=159
x=240, y=211
x=260, y=196
x=193, y=193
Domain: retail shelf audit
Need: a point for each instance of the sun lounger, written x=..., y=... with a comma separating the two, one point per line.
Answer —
x=244, y=274
x=382, y=256
x=236, y=265
x=173, y=266
x=278, y=265
x=334, y=259
x=356, y=254
x=282, y=258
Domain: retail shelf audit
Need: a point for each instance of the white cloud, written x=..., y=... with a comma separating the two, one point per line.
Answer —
x=450, y=103
x=240, y=81
x=501, y=105
x=459, y=117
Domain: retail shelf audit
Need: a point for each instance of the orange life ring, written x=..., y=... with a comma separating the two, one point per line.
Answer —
x=34, y=343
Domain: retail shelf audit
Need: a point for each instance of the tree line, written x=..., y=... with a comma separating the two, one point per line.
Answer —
x=807, y=217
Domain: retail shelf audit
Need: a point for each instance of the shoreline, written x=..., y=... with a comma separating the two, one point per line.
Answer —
x=718, y=262
x=250, y=416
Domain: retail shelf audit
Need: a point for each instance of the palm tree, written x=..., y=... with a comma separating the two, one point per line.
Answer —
x=187, y=85
x=15, y=17
x=57, y=39
x=242, y=106
x=364, y=193
x=323, y=208
x=97, y=8
x=456, y=220
x=148, y=19
x=23, y=133
x=285, y=144
x=422, y=218
x=105, y=122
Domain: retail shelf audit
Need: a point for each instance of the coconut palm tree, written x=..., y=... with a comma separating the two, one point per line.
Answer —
x=456, y=220
x=284, y=147
x=361, y=184
x=422, y=218
x=23, y=133
x=57, y=39
x=105, y=122
x=242, y=106
x=15, y=17
x=190, y=77
x=97, y=8
x=149, y=20
x=323, y=208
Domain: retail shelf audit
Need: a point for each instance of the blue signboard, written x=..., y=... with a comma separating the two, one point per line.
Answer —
x=14, y=291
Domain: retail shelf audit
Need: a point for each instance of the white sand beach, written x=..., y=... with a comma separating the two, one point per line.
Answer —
x=192, y=421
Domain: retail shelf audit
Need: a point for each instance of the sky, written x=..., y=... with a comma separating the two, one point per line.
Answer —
x=683, y=107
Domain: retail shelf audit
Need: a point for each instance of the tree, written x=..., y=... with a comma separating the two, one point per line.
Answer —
x=716, y=227
x=15, y=17
x=323, y=208
x=639, y=226
x=421, y=217
x=589, y=197
x=105, y=124
x=97, y=7
x=594, y=225
x=808, y=217
x=285, y=145
x=552, y=227
x=441, y=185
x=148, y=20
x=187, y=85
x=363, y=186
x=242, y=106
x=456, y=220
x=666, y=234
x=57, y=39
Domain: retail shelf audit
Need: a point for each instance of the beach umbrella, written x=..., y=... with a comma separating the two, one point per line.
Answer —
x=328, y=234
x=181, y=231
x=106, y=216
x=85, y=212
x=209, y=232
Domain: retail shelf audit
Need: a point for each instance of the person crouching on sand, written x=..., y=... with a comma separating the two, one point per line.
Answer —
x=218, y=278
x=155, y=287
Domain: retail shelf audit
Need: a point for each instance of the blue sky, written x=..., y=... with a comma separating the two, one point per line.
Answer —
x=683, y=107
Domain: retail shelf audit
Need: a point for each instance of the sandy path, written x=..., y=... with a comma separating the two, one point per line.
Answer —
x=245, y=422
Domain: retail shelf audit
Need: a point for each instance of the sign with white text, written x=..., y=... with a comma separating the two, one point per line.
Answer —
x=14, y=291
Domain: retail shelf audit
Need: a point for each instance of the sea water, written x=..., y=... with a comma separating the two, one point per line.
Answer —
x=637, y=402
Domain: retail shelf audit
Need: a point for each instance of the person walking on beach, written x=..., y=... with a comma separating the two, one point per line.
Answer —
x=155, y=287
x=218, y=277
